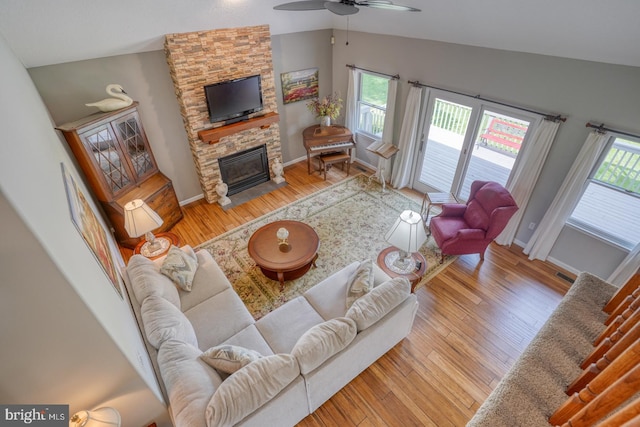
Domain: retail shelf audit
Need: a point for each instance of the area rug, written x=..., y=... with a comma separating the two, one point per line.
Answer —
x=350, y=218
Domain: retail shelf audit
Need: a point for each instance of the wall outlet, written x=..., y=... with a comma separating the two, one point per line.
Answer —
x=532, y=225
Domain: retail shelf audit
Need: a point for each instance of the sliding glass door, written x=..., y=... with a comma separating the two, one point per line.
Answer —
x=464, y=140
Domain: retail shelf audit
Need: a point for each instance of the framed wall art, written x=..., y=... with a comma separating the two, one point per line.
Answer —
x=91, y=230
x=299, y=85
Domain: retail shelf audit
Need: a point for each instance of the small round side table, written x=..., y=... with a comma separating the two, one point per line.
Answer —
x=171, y=239
x=414, y=277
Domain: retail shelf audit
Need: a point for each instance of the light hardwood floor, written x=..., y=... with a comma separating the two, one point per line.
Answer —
x=473, y=321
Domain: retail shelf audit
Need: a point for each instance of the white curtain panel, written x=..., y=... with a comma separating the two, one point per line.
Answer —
x=387, y=131
x=627, y=268
x=408, y=140
x=562, y=205
x=525, y=175
x=351, y=106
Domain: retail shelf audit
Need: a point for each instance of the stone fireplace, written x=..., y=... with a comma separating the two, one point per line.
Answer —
x=205, y=57
x=243, y=170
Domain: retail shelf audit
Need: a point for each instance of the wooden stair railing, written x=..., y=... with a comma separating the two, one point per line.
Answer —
x=619, y=368
x=609, y=341
x=602, y=393
x=591, y=371
x=623, y=306
x=619, y=320
x=628, y=416
x=607, y=401
x=622, y=293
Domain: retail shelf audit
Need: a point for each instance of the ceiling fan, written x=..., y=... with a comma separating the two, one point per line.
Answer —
x=343, y=7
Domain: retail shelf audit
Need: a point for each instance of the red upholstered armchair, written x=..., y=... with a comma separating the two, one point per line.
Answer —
x=468, y=229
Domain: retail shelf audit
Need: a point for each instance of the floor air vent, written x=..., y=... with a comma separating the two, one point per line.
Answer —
x=564, y=277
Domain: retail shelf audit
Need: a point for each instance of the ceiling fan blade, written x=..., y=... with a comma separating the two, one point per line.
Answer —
x=385, y=4
x=340, y=8
x=302, y=5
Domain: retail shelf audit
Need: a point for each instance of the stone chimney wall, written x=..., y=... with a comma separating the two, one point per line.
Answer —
x=205, y=57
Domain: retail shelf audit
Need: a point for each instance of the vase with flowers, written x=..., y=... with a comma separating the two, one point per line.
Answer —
x=326, y=108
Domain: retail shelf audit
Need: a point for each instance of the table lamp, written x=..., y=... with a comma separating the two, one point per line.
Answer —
x=140, y=219
x=407, y=235
x=105, y=416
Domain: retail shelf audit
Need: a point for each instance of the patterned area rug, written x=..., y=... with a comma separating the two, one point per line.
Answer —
x=351, y=219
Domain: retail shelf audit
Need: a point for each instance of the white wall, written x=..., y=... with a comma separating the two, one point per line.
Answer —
x=67, y=336
x=293, y=52
x=580, y=90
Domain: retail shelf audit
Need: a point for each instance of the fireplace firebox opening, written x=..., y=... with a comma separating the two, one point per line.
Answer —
x=245, y=169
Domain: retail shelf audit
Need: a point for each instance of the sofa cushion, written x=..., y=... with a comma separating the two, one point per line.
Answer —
x=208, y=281
x=249, y=388
x=381, y=300
x=189, y=381
x=163, y=321
x=146, y=280
x=327, y=296
x=284, y=326
x=229, y=358
x=360, y=282
x=323, y=341
x=218, y=318
x=180, y=266
x=250, y=338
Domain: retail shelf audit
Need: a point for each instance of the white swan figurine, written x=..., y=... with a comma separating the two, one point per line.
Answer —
x=121, y=99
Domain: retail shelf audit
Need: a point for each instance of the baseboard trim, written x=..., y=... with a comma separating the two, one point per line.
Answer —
x=562, y=265
x=191, y=199
x=552, y=260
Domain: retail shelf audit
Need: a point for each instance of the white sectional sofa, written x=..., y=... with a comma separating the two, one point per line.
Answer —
x=311, y=347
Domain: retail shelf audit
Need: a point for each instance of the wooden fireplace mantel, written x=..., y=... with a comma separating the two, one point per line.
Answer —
x=214, y=135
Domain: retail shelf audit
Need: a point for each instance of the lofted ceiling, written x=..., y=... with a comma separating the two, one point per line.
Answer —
x=44, y=32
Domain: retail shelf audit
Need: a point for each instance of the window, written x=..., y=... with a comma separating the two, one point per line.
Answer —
x=372, y=103
x=610, y=202
x=466, y=140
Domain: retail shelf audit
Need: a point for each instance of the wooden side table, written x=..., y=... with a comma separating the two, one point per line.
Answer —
x=284, y=263
x=414, y=277
x=434, y=199
x=169, y=239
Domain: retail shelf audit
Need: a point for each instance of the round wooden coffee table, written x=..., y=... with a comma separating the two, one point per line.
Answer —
x=284, y=263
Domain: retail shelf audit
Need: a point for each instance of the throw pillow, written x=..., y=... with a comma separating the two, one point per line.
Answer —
x=164, y=321
x=360, y=282
x=180, y=267
x=250, y=388
x=381, y=300
x=323, y=341
x=229, y=358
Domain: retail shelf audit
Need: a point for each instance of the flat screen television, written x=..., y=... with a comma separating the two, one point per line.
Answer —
x=233, y=100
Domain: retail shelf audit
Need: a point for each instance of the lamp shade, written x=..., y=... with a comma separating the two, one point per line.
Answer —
x=407, y=233
x=105, y=416
x=139, y=218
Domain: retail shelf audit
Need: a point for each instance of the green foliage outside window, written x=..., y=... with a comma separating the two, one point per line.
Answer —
x=374, y=89
x=621, y=167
